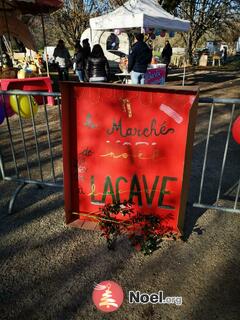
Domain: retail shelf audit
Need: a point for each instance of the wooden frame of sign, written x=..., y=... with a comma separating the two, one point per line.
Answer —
x=125, y=142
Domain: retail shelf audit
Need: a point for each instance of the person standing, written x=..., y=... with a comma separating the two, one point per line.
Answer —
x=86, y=53
x=86, y=49
x=79, y=62
x=97, y=68
x=138, y=60
x=166, y=55
x=224, y=54
x=62, y=59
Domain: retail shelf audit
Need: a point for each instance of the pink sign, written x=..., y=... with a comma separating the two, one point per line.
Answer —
x=155, y=75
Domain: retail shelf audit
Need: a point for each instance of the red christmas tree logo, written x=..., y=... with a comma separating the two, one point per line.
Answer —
x=107, y=296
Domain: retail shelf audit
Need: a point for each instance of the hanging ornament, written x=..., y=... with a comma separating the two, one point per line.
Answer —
x=157, y=32
x=162, y=33
x=171, y=34
x=236, y=130
x=117, y=32
x=151, y=30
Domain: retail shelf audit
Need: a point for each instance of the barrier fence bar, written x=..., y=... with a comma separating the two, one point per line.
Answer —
x=206, y=153
x=49, y=143
x=225, y=153
x=11, y=139
x=23, y=155
x=237, y=196
x=35, y=137
x=23, y=138
x=233, y=106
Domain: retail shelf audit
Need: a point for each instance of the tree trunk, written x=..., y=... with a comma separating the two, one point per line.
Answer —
x=190, y=48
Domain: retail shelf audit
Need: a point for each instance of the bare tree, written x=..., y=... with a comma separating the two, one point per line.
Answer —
x=74, y=17
x=52, y=32
x=230, y=34
x=169, y=5
x=205, y=16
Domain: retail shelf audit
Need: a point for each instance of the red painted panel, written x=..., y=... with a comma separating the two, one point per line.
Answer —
x=127, y=142
x=30, y=84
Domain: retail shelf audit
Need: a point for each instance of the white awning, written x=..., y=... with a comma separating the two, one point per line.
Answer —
x=139, y=14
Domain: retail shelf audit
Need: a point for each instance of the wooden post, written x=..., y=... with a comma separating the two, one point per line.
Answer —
x=45, y=43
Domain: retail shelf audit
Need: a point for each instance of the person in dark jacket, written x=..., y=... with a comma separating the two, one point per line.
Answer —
x=138, y=59
x=62, y=59
x=97, y=68
x=86, y=48
x=86, y=53
x=79, y=62
x=166, y=55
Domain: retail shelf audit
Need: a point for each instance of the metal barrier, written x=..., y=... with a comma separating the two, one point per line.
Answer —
x=220, y=174
x=31, y=144
x=31, y=149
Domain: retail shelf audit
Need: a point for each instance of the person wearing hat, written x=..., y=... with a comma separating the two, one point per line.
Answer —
x=138, y=59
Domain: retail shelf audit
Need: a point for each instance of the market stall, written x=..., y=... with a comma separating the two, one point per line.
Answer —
x=12, y=26
x=146, y=16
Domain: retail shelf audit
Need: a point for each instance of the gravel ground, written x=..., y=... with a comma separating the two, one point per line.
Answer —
x=48, y=269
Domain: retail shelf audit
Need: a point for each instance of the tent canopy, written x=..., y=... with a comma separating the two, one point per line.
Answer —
x=139, y=14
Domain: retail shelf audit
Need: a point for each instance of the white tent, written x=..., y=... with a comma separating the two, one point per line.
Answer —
x=139, y=14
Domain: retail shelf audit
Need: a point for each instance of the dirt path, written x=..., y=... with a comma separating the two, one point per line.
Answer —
x=211, y=82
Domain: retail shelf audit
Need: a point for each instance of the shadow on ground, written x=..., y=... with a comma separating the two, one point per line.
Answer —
x=48, y=270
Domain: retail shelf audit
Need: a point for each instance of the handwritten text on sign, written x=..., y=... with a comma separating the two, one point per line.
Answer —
x=129, y=144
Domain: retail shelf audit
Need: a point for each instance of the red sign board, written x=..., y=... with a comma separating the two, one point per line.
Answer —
x=127, y=143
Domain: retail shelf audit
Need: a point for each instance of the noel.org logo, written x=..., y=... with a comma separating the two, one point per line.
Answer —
x=107, y=296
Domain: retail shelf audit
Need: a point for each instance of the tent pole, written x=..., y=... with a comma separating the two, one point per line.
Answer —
x=184, y=69
x=8, y=32
x=1, y=45
x=1, y=53
x=184, y=74
x=91, y=37
x=45, y=43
